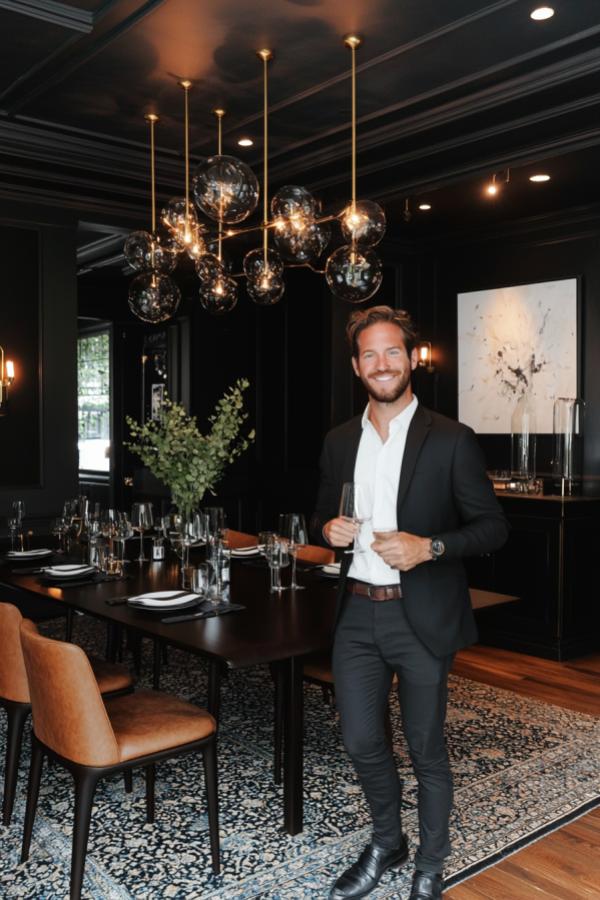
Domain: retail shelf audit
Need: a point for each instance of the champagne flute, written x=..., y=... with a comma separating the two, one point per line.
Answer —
x=142, y=520
x=356, y=505
x=17, y=510
x=292, y=526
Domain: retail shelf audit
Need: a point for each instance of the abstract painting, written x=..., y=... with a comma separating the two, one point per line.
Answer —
x=511, y=341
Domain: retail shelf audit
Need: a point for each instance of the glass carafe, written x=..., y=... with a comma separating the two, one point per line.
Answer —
x=567, y=458
x=523, y=428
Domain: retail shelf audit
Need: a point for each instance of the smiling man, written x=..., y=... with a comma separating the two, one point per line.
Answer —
x=403, y=601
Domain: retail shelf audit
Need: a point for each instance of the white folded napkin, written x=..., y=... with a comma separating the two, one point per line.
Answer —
x=164, y=599
x=331, y=568
x=28, y=554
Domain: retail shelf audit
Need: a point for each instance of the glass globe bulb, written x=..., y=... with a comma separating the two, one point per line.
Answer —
x=363, y=223
x=305, y=246
x=225, y=189
x=153, y=297
x=221, y=295
x=258, y=265
x=293, y=201
x=145, y=251
x=208, y=268
x=267, y=291
x=353, y=274
x=182, y=225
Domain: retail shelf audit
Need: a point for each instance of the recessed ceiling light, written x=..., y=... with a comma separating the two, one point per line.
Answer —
x=245, y=142
x=539, y=178
x=541, y=13
x=424, y=206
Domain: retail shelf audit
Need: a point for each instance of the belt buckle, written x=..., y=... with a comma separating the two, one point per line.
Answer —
x=370, y=595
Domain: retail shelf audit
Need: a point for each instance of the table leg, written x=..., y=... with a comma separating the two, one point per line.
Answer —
x=293, y=788
x=214, y=687
x=156, y=662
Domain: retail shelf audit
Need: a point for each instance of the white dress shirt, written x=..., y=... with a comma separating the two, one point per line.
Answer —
x=377, y=468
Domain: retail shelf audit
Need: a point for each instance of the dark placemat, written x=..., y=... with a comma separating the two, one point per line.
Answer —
x=80, y=582
x=205, y=610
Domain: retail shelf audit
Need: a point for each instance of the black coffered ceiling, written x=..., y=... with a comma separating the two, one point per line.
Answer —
x=448, y=91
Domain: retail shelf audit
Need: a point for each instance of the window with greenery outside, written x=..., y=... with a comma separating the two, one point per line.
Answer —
x=93, y=401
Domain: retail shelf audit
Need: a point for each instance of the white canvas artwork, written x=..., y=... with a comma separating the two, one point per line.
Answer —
x=513, y=340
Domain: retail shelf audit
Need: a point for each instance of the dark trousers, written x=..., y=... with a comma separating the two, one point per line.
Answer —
x=372, y=641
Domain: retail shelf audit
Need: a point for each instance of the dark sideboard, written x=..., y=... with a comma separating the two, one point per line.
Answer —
x=550, y=562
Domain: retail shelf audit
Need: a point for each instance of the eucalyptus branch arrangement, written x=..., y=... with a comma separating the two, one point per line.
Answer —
x=188, y=462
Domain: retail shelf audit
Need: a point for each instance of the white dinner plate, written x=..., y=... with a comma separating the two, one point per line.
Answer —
x=69, y=571
x=164, y=600
x=28, y=554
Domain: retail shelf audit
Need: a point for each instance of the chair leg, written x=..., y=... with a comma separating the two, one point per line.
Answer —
x=85, y=785
x=150, y=779
x=277, y=673
x=16, y=722
x=128, y=781
x=33, y=789
x=69, y=625
x=209, y=758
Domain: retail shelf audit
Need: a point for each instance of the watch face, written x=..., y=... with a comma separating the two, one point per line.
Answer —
x=437, y=547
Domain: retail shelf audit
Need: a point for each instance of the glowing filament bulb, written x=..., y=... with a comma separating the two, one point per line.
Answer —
x=10, y=370
x=219, y=288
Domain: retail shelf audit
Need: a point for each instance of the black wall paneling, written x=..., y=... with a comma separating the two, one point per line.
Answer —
x=38, y=436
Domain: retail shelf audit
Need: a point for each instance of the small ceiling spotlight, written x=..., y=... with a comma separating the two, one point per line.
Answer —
x=245, y=142
x=540, y=13
x=492, y=188
x=425, y=206
x=538, y=179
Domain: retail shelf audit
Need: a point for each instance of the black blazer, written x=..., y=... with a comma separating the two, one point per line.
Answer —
x=443, y=492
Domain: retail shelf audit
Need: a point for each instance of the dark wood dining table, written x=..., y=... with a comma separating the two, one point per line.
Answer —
x=272, y=628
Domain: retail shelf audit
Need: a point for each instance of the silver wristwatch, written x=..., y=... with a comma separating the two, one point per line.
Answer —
x=438, y=548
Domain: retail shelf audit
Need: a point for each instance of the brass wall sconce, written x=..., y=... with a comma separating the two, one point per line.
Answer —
x=7, y=376
x=424, y=356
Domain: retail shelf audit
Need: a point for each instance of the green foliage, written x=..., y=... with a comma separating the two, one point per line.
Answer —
x=188, y=462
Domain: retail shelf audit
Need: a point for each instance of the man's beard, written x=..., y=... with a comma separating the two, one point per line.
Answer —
x=383, y=394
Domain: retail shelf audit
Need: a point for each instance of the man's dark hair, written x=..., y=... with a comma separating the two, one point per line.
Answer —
x=363, y=318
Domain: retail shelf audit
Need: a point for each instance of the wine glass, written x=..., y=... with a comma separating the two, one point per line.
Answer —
x=356, y=505
x=276, y=551
x=60, y=528
x=142, y=520
x=14, y=529
x=292, y=526
x=123, y=531
x=215, y=523
x=17, y=511
x=108, y=527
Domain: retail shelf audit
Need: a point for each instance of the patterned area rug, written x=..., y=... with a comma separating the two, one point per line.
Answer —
x=521, y=769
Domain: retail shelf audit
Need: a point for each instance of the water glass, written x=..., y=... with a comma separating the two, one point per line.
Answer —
x=356, y=504
x=201, y=580
x=17, y=510
x=142, y=520
x=15, y=531
x=292, y=526
x=277, y=553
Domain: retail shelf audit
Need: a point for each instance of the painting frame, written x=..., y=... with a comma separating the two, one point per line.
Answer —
x=516, y=338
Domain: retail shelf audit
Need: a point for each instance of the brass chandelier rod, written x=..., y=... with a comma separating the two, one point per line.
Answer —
x=265, y=55
x=186, y=85
x=219, y=113
x=353, y=42
x=152, y=119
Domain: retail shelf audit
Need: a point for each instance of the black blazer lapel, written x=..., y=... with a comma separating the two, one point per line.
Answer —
x=352, y=449
x=417, y=432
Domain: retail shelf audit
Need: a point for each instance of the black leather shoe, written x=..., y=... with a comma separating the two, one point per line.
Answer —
x=361, y=878
x=426, y=886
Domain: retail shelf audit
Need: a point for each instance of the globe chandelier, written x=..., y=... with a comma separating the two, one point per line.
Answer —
x=226, y=192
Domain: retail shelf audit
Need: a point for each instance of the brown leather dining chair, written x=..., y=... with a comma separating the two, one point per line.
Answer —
x=93, y=738
x=14, y=695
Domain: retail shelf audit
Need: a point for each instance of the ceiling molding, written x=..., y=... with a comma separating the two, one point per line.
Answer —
x=49, y=11
x=89, y=49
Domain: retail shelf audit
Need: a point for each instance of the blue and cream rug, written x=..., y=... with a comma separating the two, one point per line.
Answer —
x=521, y=769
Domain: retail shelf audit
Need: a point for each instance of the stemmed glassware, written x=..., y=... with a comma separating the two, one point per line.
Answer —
x=17, y=510
x=123, y=531
x=60, y=529
x=276, y=551
x=142, y=520
x=15, y=530
x=109, y=520
x=292, y=526
x=356, y=504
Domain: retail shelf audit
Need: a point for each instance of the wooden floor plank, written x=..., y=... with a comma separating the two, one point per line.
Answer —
x=564, y=865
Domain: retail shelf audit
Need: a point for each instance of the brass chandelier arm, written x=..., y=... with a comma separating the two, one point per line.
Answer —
x=152, y=119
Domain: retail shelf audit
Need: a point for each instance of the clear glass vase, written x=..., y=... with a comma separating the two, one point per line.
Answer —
x=567, y=458
x=523, y=428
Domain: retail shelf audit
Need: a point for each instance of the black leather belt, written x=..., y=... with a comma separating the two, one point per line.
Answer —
x=379, y=592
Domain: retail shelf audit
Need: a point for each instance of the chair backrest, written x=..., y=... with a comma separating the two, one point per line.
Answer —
x=66, y=706
x=238, y=539
x=314, y=554
x=13, y=677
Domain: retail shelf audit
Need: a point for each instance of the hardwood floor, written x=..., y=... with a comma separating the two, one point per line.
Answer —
x=564, y=865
